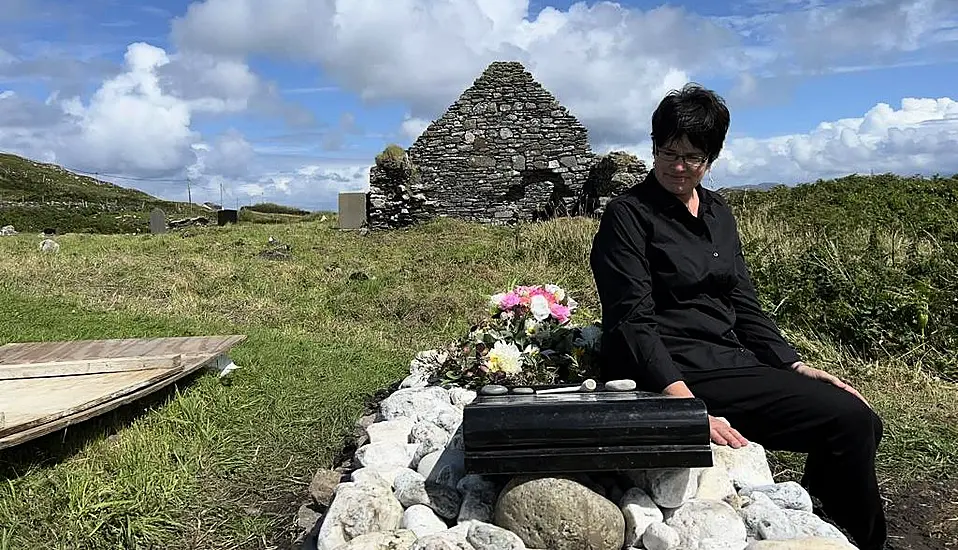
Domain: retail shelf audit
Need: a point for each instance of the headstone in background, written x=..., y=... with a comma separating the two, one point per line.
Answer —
x=224, y=217
x=157, y=221
x=352, y=210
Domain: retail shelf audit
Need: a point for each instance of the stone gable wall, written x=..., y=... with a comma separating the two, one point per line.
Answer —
x=504, y=150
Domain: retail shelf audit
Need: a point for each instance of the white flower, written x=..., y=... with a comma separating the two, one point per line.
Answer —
x=531, y=350
x=572, y=304
x=504, y=358
x=495, y=300
x=539, y=307
x=530, y=326
x=556, y=291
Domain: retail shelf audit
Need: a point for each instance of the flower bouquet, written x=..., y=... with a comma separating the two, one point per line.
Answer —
x=527, y=338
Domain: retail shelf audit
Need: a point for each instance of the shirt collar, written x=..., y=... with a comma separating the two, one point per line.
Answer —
x=669, y=201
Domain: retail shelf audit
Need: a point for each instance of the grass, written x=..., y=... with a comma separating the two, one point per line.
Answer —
x=207, y=465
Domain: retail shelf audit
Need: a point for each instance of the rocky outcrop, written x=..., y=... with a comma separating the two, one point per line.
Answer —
x=611, y=175
x=408, y=489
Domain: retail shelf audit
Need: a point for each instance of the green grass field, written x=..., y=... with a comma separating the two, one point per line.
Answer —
x=208, y=465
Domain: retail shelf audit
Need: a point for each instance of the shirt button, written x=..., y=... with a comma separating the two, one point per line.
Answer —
x=715, y=254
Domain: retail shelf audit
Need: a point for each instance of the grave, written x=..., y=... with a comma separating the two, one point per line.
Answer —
x=352, y=210
x=157, y=221
x=224, y=217
x=583, y=431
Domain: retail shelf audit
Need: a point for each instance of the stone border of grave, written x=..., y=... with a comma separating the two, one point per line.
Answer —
x=403, y=485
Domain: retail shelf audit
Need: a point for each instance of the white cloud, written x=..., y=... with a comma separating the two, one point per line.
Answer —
x=310, y=186
x=130, y=123
x=919, y=137
x=412, y=127
x=607, y=63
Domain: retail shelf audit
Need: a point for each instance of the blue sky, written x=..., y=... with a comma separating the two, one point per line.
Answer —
x=290, y=100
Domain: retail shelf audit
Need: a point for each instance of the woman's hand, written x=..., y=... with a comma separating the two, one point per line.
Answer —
x=818, y=374
x=723, y=433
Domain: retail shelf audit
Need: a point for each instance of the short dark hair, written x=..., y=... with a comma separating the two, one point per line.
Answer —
x=695, y=112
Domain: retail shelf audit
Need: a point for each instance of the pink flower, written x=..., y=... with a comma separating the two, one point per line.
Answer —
x=509, y=301
x=560, y=312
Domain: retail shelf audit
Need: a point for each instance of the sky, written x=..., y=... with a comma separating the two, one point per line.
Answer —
x=289, y=101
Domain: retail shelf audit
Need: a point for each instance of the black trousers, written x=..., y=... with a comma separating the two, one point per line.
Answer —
x=787, y=411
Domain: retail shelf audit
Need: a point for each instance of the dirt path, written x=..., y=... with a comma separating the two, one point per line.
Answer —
x=923, y=516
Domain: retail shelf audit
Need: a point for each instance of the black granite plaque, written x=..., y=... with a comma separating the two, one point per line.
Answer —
x=584, y=432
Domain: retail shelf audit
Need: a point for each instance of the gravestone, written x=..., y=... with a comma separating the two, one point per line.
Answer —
x=157, y=221
x=224, y=217
x=595, y=431
x=352, y=210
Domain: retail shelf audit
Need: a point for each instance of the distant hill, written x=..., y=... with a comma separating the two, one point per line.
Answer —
x=764, y=186
x=36, y=195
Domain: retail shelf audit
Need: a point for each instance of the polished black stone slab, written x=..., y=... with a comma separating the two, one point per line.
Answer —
x=584, y=432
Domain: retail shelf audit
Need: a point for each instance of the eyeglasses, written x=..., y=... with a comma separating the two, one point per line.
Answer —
x=692, y=161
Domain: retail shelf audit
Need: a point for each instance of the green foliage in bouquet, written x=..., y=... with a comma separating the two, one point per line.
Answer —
x=527, y=338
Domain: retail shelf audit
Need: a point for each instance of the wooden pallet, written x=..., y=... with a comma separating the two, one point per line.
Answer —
x=48, y=386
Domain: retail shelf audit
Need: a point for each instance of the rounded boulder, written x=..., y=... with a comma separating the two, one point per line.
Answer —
x=560, y=514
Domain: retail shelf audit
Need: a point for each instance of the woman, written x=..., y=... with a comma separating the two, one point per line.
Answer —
x=680, y=316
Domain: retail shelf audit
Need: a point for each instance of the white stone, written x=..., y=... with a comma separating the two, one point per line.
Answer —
x=810, y=543
x=787, y=494
x=461, y=397
x=415, y=380
x=422, y=520
x=428, y=437
x=372, y=475
x=49, y=245
x=446, y=466
x=390, y=431
x=478, y=499
x=386, y=456
x=640, y=512
x=765, y=520
x=672, y=487
x=414, y=403
x=620, y=385
x=441, y=541
x=810, y=525
x=485, y=536
x=400, y=538
x=412, y=488
x=714, y=484
x=747, y=466
x=699, y=520
x=719, y=544
x=358, y=509
x=660, y=536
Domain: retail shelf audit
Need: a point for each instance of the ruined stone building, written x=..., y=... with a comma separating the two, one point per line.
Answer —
x=505, y=150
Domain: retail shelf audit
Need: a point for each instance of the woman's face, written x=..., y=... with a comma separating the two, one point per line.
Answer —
x=679, y=166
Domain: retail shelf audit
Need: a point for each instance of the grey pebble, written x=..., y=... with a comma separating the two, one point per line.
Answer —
x=493, y=389
x=523, y=391
x=620, y=385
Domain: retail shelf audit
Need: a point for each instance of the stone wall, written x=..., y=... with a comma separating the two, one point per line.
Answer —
x=611, y=175
x=504, y=150
x=396, y=196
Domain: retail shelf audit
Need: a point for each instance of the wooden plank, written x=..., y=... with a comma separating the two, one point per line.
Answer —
x=18, y=371
x=155, y=376
x=32, y=352
x=209, y=348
